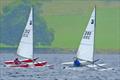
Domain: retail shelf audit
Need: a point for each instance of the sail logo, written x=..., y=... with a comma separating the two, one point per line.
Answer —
x=92, y=21
x=26, y=33
x=30, y=22
x=87, y=35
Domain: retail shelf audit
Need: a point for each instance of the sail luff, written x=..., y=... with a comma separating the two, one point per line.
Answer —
x=25, y=48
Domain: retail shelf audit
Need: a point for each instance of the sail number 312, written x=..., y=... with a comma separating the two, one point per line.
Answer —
x=26, y=33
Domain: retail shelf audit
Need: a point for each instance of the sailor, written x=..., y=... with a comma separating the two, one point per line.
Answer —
x=35, y=60
x=77, y=62
x=17, y=62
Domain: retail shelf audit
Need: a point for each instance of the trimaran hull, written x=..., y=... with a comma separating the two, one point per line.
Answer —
x=27, y=63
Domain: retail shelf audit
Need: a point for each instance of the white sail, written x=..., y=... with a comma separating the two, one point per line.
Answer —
x=25, y=48
x=86, y=48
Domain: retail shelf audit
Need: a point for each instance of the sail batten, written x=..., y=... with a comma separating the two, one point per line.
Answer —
x=86, y=48
x=25, y=48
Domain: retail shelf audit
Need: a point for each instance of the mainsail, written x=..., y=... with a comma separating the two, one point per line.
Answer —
x=25, y=48
x=86, y=48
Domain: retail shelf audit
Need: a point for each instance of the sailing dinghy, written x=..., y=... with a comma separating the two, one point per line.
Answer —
x=85, y=53
x=25, y=48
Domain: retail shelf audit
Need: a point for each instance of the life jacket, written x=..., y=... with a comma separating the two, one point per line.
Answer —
x=77, y=63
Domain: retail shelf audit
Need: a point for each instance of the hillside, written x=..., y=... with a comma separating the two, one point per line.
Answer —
x=60, y=24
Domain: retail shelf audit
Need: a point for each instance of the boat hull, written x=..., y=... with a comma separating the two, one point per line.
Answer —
x=27, y=65
x=40, y=64
x=25, y=61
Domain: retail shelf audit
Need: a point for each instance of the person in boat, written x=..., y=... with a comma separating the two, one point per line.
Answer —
x=17, y=62
x=34, y=60
x=77, y=62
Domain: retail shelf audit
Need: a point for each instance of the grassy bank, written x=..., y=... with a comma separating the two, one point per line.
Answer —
x=68, y=20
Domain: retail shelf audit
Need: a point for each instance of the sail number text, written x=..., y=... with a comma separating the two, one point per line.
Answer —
x=26, y=33
x=87, y=35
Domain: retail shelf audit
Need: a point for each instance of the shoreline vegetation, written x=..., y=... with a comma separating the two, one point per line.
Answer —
x=5, y=47
x=60, y=50
x=64, y=20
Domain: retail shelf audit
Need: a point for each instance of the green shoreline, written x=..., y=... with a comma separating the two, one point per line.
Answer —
x=68, y=20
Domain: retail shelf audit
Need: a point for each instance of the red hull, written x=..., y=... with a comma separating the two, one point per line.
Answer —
x=22, y=65
x=25, y=61
x=40, y=64
x=27, y=65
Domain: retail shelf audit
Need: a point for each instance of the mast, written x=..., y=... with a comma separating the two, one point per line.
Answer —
x=33, y=29
x=94, y=34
